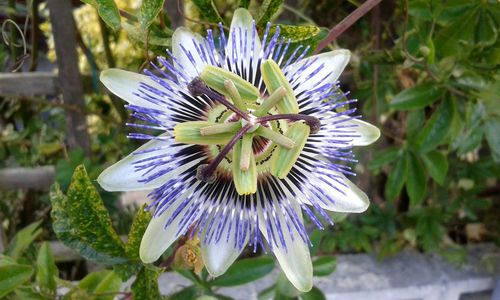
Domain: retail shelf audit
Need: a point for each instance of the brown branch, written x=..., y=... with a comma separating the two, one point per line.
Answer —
x=346, y=23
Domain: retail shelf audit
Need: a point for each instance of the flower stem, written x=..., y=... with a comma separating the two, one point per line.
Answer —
x=346, y=23
x=311, y=121
x=198, y=88
x=206, y=172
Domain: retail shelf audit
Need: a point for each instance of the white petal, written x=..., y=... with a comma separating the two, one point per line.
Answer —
x=295, y=260
x=243, y=41
x=363, y=133
x=124, y=84
x=333, y=64
x=122, y=177
x=157, y=238
x=350, y=200
x=219, y=256
x=186, y=48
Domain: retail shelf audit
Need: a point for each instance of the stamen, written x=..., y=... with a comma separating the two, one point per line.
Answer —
x=198, y=88
x=246, y=151
x=270, y=101
x=234, y=94
x=220, y=128
x=313, y=122
x=206, y=173
x=276, y=137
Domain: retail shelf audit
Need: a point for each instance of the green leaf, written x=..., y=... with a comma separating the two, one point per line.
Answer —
x=149, y=10
x=436, y=164
x=492, y=133
x=415, y=120
x=208, y=10
x=82, y=223
x=46, y=270
x=145, y=285
x=13, y=275
x=416, y=181
x=29, y=293
x=108, y=11
x=436, y=128
x=324, y=265
x=23, y=239
x=417, y=97
x=267, y=10
x=396, y=178
x=188, y=293
x=137, y=230
x=244, y=271
x=313, y=294
x=101, y=285
x=383, y=158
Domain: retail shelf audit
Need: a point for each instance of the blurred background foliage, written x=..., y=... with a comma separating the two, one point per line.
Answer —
x=426, y=72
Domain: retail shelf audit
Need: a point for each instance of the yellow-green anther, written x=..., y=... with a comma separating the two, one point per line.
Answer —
x=283, y=159
x=274, y=79
x=246, y=151
x=245, y=181
x=215, y=78
x=220, y=128
x=189, y=133
x=234, y=94
x=276, y=137
x=270, y=102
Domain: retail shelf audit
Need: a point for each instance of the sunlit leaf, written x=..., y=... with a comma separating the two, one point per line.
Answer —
x=46, y=269
x=82, y=223
x=23, y=239
x=108, y=11
x=149, y=10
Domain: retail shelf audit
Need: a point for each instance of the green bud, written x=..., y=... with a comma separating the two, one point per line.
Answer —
x=283, y=159
x=190, y=133
x=275, y=79
x=245, y=181
x=216, y=78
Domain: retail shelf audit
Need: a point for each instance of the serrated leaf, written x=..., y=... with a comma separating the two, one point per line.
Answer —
x=46, y=270
x=208, y=10
x=267, y=10
x=82, y=223
x=314, y=294
x=13, y=275
x=417, y=97
x=145, y=285
x=23, y=239
x=108, y=11
x=436, y=128
x=324, y=265
x=415, y=180
x=436, y=164
x=149, y=10
x=396, y=178
x=244, y=271
x=137, y=230
x=383, y=158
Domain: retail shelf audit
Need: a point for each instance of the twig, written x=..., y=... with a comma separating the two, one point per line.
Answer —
x=35, y=20
x=346, y=23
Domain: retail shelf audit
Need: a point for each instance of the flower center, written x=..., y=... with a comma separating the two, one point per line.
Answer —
x=247, y=135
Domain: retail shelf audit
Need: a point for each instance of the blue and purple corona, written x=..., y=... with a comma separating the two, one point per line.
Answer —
x=251, y=133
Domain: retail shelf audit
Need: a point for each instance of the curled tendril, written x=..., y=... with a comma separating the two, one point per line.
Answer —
x=18, y=62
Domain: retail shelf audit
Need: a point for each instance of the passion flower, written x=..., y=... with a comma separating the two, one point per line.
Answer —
x=251, y=134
